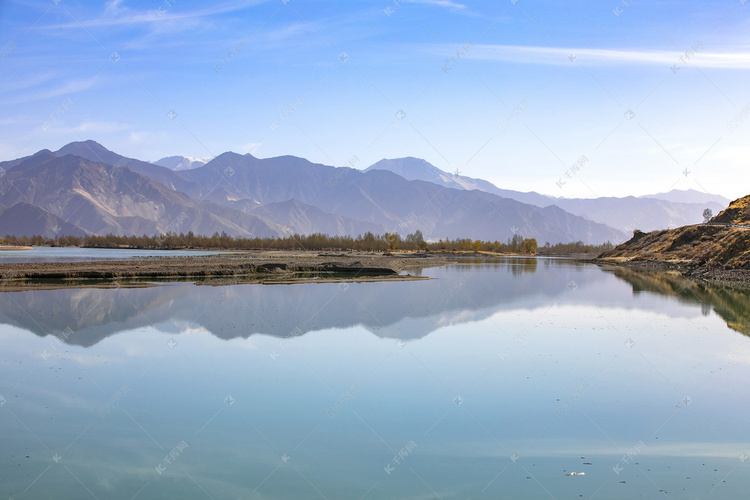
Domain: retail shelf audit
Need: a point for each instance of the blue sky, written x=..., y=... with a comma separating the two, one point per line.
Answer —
x=574, y=99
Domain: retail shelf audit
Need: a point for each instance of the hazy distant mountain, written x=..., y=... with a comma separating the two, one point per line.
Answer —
x=100, y=199
x=178, y=163
x=690, y=196
x=24, y=219
x=416, y=169
x=630, y=213
x=660, y=211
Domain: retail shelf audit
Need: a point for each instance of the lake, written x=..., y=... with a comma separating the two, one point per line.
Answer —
x=496, y=379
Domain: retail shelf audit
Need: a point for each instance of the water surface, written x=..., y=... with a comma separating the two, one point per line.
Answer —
x=75, y=254
x=494, y=380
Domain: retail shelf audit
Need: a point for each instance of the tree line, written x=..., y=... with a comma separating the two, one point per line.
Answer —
x=317, y=242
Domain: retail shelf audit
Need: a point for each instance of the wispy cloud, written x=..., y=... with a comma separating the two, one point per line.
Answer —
x=16, y=120
x=63, y=89
x=524, y=54
x=88, y=128
x=116, y=15
x=440, y=3
x=12, y=85
x=450, y=5
x=112, y=8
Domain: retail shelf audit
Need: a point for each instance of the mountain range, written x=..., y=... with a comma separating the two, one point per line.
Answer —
x=659, y=211
x=84, y=188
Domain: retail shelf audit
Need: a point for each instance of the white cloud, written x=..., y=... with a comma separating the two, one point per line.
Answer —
x=566, y=55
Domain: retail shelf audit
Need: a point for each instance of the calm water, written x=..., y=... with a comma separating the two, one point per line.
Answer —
x=494, y=380
x=60, y=254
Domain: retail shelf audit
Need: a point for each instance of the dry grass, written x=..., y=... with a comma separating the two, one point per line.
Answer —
x=738, y=212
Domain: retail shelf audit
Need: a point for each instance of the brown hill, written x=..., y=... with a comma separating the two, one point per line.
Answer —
x=716, y=244
x=738, y=212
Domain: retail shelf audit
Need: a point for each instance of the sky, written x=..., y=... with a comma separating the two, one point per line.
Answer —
x=580, y=98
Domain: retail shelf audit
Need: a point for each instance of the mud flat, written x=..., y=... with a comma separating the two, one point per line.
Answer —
x=251, y=267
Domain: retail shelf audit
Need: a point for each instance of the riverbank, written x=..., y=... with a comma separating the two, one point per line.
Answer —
x=264, y=267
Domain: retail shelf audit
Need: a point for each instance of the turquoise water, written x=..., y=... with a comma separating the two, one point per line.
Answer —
x=49, y=254
x=494, y=380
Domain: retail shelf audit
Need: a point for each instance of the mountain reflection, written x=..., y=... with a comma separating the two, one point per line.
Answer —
x=468, y=291
x=471, y=290
x=731, y=304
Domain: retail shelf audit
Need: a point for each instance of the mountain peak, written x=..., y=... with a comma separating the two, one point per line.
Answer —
x=178, y=163
x=417, y=169
x=87, y=145
x=92, y=151
x=409, y=168
x=689, y=196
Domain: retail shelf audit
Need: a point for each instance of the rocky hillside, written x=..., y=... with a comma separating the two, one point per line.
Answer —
x=737, y=213
x=721, y=243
